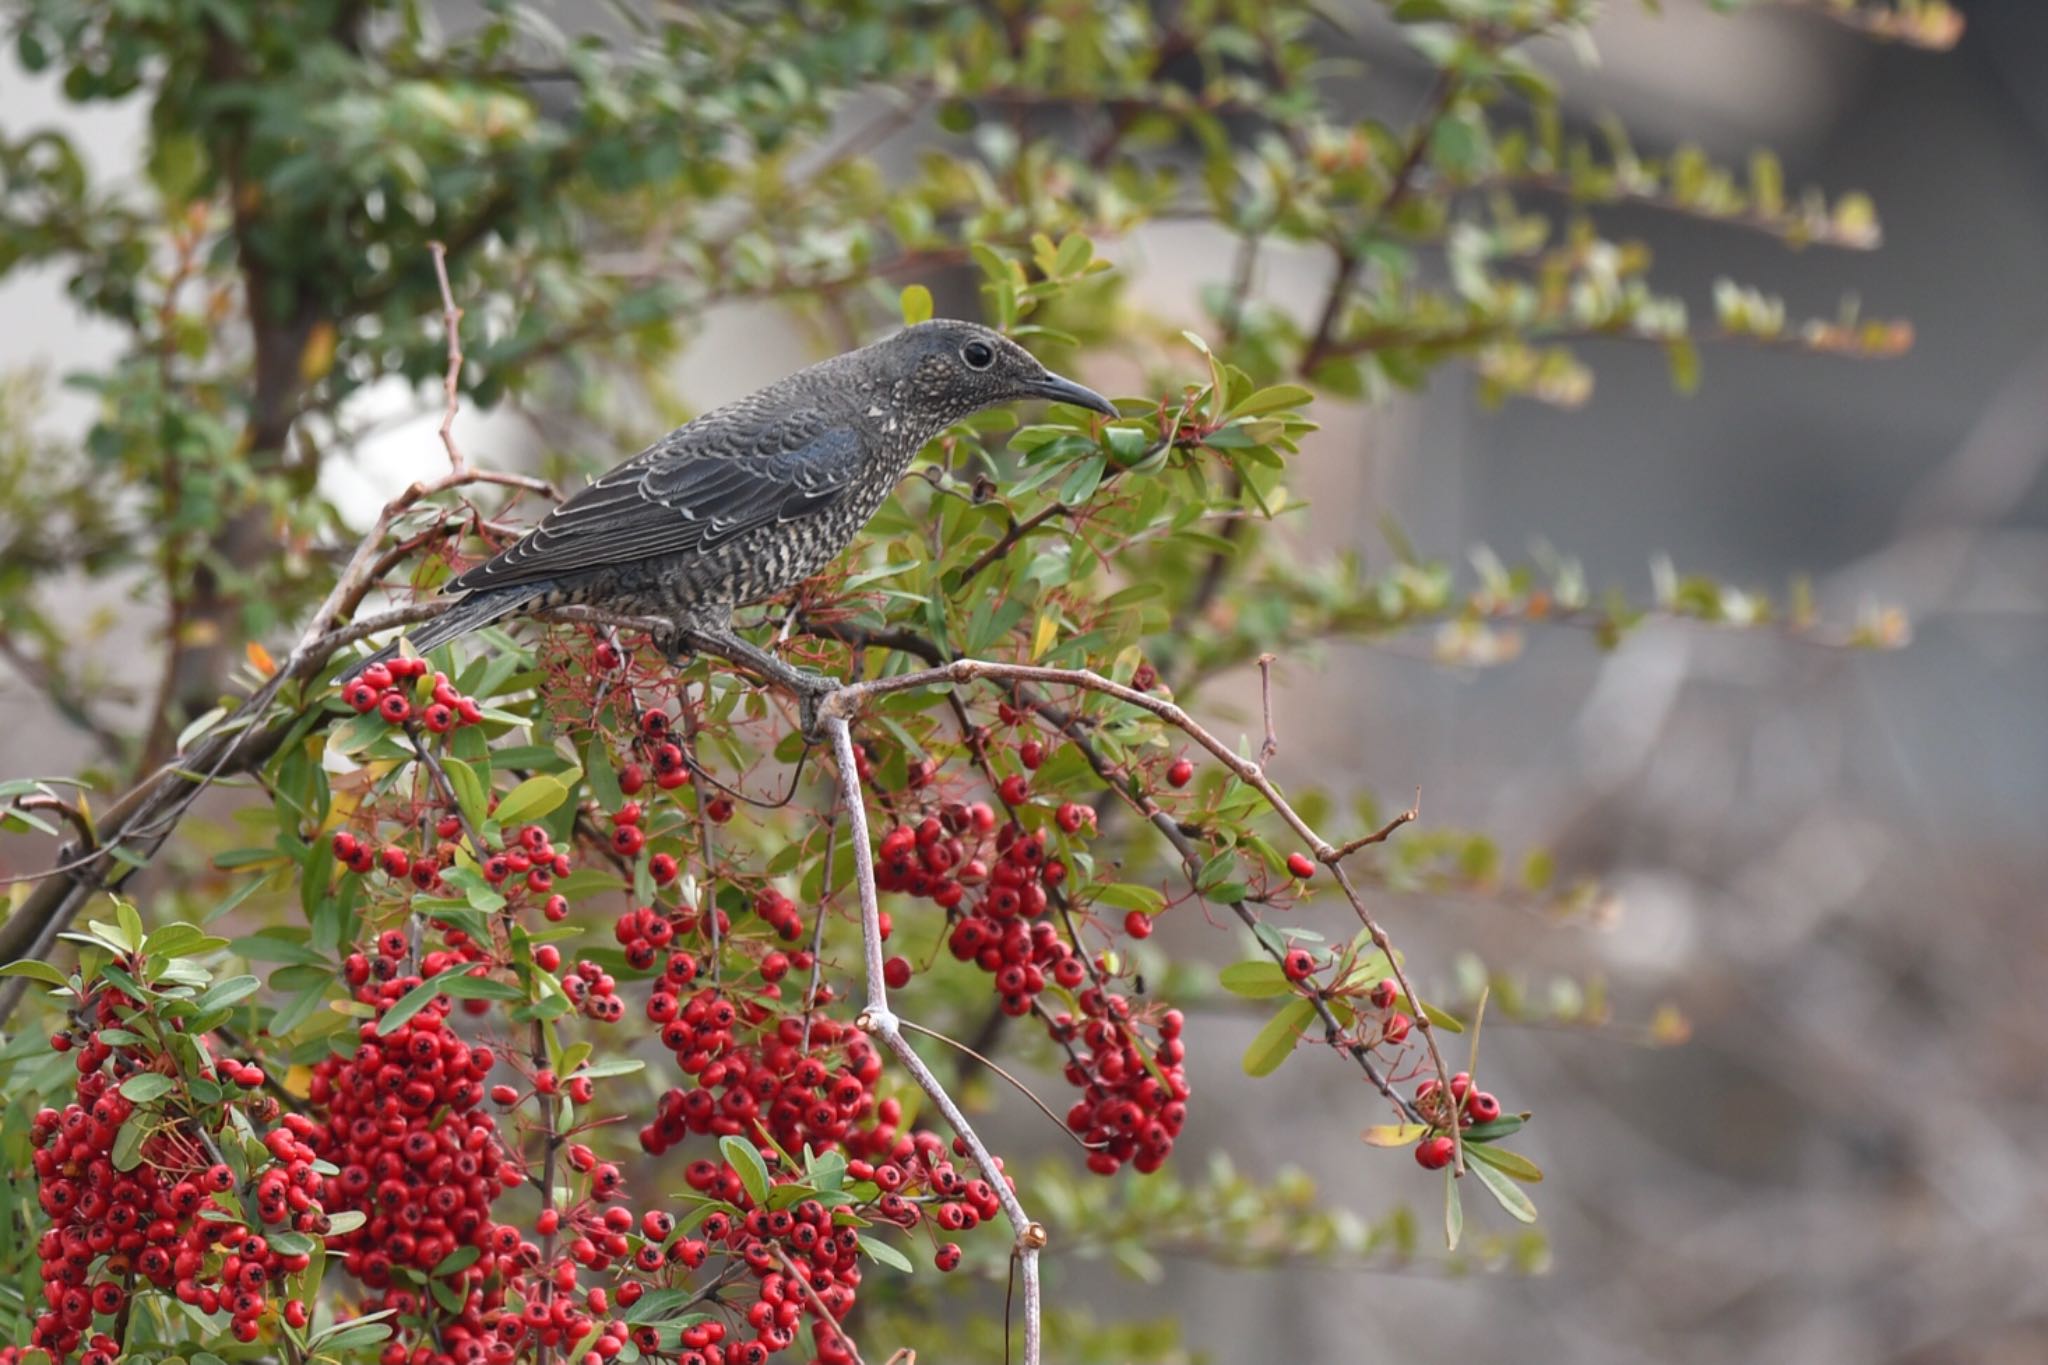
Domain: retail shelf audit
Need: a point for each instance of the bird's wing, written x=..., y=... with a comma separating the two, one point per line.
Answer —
x=661, y=503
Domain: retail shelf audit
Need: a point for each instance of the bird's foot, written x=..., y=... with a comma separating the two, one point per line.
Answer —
x=811, y=689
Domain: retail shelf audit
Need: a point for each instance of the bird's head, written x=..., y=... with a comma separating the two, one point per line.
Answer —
x=946, y=369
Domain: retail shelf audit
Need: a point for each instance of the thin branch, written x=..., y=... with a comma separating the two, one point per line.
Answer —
x=1271, y=744
x=1018, y=1085
x=838, y=703
x=451, y=382
x=878, y=1019
x=1380, y=835
x=796, y=1277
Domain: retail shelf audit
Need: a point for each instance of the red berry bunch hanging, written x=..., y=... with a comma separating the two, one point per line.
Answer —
x=382, y=688
x=421, y=1161
x=158, y=1222
x=1129, y=1111
x=1000, y=924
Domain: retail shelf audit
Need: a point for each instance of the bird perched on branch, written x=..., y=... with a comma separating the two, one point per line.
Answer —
x=753, y=497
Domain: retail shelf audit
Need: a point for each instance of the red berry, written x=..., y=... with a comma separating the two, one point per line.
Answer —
x=1144, y=678
x=556, y=908
x=1483, y=1108
x=1397, y=1028
x=947, y=1257
x=1180, y=774
x=632, y=778
x=1072, y=815
x=1015, y=790
x=395, y=708
x=1301, y=865
x=1031, y=753
x=1299, y=964
x=627, y=840
x=1138, y=924
x=1383, y=994
x=1433, y=1154
x=718, y=809
x=360, y=696
x=896, y=972
x=439, y=718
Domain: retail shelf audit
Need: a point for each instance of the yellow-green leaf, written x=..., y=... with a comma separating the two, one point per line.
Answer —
x=531, y=799
x=1508, y=1163
x=1504, y=1191
x=917, y=304
x=1276, y=1040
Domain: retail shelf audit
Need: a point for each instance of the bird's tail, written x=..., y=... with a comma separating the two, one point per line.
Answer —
x=472, y=613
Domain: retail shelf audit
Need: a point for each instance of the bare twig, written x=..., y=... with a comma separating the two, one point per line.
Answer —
x=1271, y=744
x=1018, y=1085
x=1380, y=835
x=825, y=1318
x=878, y=1019
x=451, y=382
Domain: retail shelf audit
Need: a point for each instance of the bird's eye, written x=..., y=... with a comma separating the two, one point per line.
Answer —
x=979, y=355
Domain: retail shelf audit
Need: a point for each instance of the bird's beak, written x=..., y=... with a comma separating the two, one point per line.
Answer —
x=1061, y=390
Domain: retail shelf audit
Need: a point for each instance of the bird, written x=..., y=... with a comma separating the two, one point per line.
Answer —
x=751, y=498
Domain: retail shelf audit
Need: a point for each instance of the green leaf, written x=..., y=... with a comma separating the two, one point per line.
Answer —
x=1276, y=1040
x=469, y=789
x=1255, y=980
x=531, y=800
x=1454, y=1211
x=457, y=1260
x=347, y=1220
x=1129, y=895
x=289, y=1243
x=886, y=1254
x=742, y=1156
x=148, y=1086
x=181, y=940
x=1449, y=1023
x=1396, y=1134
x=1505, y=1192
x=617, y=1066
x=347, y=1336
x=131, y=924
x=1272, y=399
x=225, y=993
x=463, y=986
x=1505, y=1126
x=36, y=971
x=917, y=304
x=411, y=1003
x=604, y=780
x=1508, y=1163
x=128, y=1143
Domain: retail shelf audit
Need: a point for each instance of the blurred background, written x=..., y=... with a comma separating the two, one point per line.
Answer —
x=1828, y=861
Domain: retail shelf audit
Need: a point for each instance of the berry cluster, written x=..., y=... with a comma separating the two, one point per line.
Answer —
x=418, y=1158
x=1134, y=1097
x=1471, y=1106
x=382, y=688
x=528, y=863
x=751, y=1071
x=1132, y=1107
x=158, y=1223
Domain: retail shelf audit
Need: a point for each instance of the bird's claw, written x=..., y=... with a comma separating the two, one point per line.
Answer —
x=811, y=689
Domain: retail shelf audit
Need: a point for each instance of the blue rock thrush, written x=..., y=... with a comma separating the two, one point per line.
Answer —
x=753, y=497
